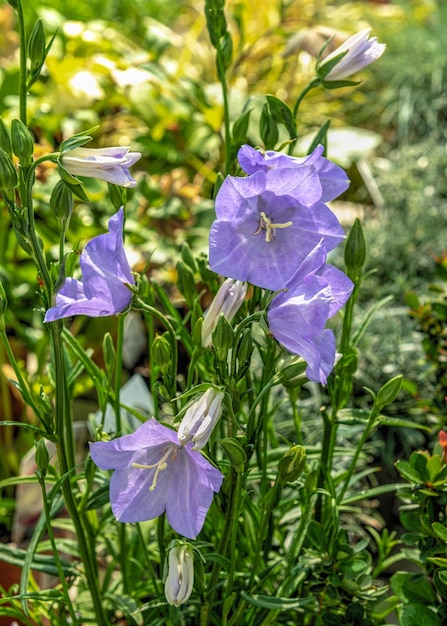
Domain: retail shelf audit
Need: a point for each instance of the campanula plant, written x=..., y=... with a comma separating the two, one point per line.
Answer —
x=201, y=498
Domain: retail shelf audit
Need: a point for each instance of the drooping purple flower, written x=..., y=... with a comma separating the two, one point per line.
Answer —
x=269, y=221
x=332, y=177
x=105, y=275
x=297, y=317
x=359, y=51
x=110, y=164
x=154, y=473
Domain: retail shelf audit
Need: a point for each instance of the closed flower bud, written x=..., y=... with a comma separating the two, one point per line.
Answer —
x=8, y=173
x=227, y=302
x=180, y=578
x=389, y=392
x=186, y=282
x=61, y=202
x=223, y=337
x=291, y=465
x=36, y=46
x=22, y=142
x=355, y=250
x=5, y=138
x=268, y=129
x=161, y=353
x=356, y=53
x=42, y=457
x=201, y=418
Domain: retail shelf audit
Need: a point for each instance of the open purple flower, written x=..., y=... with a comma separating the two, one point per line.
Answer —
x=154, y=473
x=297, y=317
x=269, y=221
x=106, y=273
x=110, y=164
x=332, y=177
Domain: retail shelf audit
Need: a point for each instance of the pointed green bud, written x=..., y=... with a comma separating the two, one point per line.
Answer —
x=389, y=392
x=61, y=202
x=268, y=129
x=355, y=250
x=186, y=283
x=161, y=353
x=222, y=337
x=22, y=142
x=108, y=350
x=291, y=465
x=293, y=374
x=245, y=347
x=5, y=138
x=226, y=50
x=235, y=453
x=8, y=173
x=36, y=46
x=42, y=457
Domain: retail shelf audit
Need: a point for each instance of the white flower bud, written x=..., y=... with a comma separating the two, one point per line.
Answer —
x=180, y=579
x=226, y=302
x=201, y=418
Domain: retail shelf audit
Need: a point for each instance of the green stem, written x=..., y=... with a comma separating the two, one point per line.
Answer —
x=66, y=458
x=223, y=82
x=23, y=68
x=67, y=599
x=139, y=304
x=118, y=370
x=365, y=434
x=227, y=539
x=21, y=381
x=311, y=85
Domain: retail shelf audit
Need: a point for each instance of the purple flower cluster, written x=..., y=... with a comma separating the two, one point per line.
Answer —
x=274, y=230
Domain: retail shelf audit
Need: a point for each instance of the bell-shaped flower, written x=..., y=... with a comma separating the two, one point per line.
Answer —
x=298, y=315
x=227, y=303
x=180, y=578
x=200, y=418
x=332, y=177
x=110, y=164
x=154, y=473
x=106, y=275
x=268, y=222
x=358, y=51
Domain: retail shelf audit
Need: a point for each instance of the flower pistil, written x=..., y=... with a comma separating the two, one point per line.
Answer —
x=160, y=465
x=265, y=223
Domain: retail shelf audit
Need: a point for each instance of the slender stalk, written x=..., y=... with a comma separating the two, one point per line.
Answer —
x=225, y=542
x=365, y=434
x=311, y=85
x=23, y=69
x=67, y=599
x=65, y=448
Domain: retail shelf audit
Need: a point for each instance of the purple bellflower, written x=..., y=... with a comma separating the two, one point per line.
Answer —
x=105, y=276
x=110, y=164
x=332, y=177
x=297, y=317
x=359, y=51
x=269, y=221
x=154, y=473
